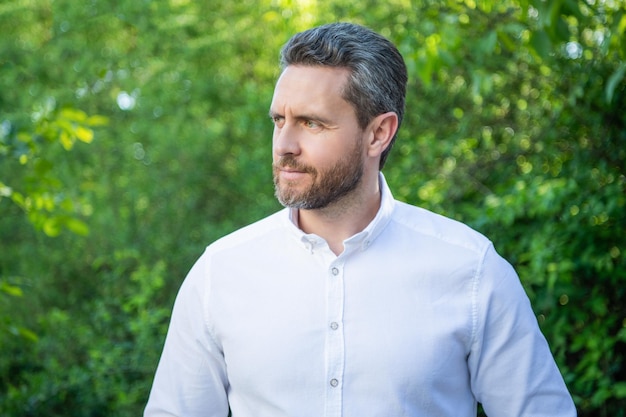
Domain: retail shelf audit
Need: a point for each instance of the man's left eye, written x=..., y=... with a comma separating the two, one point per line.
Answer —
x=311, y=124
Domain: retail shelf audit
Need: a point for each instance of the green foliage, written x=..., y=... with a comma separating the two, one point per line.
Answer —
x=33, y=184
x=100, y=365
x=515, y=123
x=38, y=191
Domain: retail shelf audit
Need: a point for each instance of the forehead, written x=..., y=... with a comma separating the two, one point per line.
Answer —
x=310, y=88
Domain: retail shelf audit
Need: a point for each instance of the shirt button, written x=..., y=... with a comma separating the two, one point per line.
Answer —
x=334, y=325
x=334, y=382
x=335, y=271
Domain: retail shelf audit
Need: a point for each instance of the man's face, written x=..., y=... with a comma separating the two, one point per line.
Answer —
x=318, y=150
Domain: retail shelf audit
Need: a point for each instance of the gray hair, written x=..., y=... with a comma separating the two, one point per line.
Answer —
x=378, y=75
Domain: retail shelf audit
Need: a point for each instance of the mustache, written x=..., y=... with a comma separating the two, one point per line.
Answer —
x=289, y=161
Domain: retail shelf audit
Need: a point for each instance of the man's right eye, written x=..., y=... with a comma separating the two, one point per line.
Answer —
x=278, y=120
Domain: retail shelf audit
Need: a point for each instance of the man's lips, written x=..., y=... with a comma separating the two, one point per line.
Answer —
x=289, y=169
x=291, y=174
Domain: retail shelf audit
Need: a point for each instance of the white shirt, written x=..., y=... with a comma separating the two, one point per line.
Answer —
x=419, y=316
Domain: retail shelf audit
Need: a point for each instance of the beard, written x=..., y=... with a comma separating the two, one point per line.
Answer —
x=327, y=186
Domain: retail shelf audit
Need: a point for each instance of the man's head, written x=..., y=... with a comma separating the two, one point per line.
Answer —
x=378, y=76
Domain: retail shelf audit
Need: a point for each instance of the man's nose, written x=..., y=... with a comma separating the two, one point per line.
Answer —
x=286, y=140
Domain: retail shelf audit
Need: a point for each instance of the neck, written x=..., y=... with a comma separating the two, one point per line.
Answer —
x=343, y=218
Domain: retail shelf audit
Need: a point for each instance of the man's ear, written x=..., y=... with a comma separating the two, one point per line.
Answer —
x=383, y=127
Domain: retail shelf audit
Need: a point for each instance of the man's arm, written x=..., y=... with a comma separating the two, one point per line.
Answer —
x=512, y=369
x=191, y=377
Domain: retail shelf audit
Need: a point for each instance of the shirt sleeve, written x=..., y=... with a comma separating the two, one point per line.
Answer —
x=191, y=377
x=513, y=372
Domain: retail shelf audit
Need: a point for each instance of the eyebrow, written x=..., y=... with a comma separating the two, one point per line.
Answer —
x=323, y=120
x=272, y=113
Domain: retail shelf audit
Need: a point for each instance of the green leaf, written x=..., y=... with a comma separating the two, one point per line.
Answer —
x=614, y=81
x=51, y=227
x=77, y=226
x=572, y=7
x=488, y=43
x=27, y=334
x=11, y=290
x=5, y=190
x=540, y=43
x=66, y=140
x=83, y=134
x=18, y=199
x=73, y=114
x=561, y=30
x=97, y=120
x=619, y=389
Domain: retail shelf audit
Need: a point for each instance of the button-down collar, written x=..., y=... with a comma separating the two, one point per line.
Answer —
x=361, y=240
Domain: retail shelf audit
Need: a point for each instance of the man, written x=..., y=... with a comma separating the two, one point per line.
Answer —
x=347, y=302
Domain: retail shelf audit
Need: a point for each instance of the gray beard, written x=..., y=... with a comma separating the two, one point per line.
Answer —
x=328, y=187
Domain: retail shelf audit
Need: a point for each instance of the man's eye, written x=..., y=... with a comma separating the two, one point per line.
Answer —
x=311, y=124
x=277, y=120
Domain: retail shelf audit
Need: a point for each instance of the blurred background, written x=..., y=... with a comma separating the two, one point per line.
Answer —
x=133, y=133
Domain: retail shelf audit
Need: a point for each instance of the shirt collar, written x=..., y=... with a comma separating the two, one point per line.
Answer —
x=362, y=239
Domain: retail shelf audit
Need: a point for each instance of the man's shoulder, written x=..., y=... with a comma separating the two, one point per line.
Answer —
x=437, y=226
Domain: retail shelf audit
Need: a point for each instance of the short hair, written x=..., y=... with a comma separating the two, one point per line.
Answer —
x=378, y=75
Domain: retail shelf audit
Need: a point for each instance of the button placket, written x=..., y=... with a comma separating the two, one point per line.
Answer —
x=334, y=339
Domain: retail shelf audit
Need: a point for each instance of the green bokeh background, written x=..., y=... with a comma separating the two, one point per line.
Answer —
x=133, y=133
